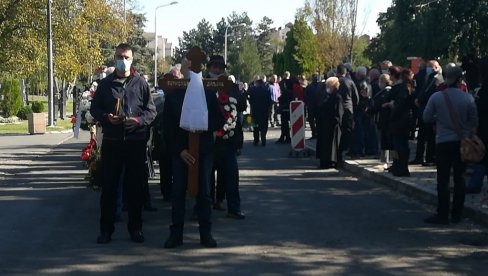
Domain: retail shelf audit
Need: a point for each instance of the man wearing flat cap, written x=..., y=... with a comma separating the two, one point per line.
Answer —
x=225, y=159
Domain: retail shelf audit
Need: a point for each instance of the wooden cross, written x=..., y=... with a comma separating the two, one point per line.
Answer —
x=170, y=84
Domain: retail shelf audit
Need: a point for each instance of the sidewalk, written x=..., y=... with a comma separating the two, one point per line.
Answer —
x=21, y=150
x=421, y=185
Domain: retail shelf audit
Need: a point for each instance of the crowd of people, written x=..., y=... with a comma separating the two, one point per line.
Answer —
x=351, y=114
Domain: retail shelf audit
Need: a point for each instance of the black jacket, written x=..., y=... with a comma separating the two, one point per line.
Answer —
x=178, y=137
x=135, y=98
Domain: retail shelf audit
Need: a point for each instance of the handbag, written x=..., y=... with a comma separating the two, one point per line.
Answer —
x=472, y=149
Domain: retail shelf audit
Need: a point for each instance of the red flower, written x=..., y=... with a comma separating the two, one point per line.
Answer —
x=93, y=143
x=73, y=119
x=227, y=116
x=220, y=133
x=223, y=99
x=85, y=155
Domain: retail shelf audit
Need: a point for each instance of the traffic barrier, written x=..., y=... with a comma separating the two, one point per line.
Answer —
x=297, y=119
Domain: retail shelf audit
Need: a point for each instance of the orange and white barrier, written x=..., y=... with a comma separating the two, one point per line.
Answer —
x=297, y=119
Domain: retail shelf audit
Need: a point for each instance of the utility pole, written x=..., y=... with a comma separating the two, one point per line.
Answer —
x=50, y=96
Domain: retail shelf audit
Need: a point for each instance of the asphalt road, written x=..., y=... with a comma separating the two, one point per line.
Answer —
x=300, y=221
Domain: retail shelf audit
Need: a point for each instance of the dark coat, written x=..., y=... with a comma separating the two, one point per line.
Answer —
x=350, y=98
x=329, y=121
x=177, y=137
x=135, y=98
x=402, y=113
x=260, y=101
x=482, y=106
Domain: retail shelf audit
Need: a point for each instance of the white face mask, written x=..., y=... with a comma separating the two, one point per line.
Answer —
x=123, y=65
x=215, y=76
x=329, y=91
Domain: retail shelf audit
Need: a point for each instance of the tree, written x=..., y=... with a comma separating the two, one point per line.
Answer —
x=333, y=22
x=300, y=51
x=436, y=29
x=202, y=36
x=263, y=39
x=248, y=63
x=360, y=46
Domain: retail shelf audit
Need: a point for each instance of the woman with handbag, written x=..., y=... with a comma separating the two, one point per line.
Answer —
x=455, y=115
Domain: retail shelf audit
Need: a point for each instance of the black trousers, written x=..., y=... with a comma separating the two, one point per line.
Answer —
x=165, y=175
x=312, y=120
x=285, y=125
x=449, y=157
x=260, y=131
x=116, y=155
x=425, y=142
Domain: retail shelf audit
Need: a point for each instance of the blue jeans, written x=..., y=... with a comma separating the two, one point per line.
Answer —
x=477, y=177
x=203, y=200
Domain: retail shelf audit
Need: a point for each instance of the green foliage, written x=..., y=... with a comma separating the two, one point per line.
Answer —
x=23, y=112
x=37, y=107
x=359, y=48
x=436, y=29
x=300, y=52
x=265, y=46
x=12, y=97
x=248, y=62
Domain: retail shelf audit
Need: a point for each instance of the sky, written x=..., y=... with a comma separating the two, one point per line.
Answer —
x=184, y=16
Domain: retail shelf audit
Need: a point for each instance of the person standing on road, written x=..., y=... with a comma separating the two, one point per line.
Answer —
x=260, y=102
x=226, y=145
x=125, y=108
x=178, y=139
x=329, y=119
x=455, y=115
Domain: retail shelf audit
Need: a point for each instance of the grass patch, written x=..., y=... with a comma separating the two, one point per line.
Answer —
x=43, y=99
x=22, y=128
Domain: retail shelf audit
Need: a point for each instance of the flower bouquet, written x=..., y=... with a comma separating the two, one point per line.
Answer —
x=91, y=156
x=229, y=110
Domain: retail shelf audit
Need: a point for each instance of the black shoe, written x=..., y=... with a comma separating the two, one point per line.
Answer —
x=255, y=143
x=288, y=140
x=173, y=241
x=428, y=164
x=263, y=144
x=398, y=173
x=280, y=141
x=137, y=237
x=416, y=162
x=435, y=219
x=236, y=215
x=208, y=241
x=150, y=208
x=104, y=238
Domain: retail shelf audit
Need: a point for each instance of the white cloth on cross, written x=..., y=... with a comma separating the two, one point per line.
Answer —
x=194, y=113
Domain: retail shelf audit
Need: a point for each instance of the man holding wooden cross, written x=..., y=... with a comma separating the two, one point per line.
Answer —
x=192, y=115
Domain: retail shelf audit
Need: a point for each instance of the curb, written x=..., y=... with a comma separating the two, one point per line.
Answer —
x=424, y=195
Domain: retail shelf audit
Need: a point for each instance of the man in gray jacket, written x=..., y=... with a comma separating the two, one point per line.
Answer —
x=456, y=117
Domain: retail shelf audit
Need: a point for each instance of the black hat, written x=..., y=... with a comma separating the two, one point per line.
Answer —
x=216, y=60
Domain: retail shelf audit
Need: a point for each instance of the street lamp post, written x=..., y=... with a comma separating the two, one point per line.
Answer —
x=156, y=40
x=50, y=78
x=225, y=38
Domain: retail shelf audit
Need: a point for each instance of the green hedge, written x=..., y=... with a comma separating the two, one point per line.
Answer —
x=23, y=112
x=12, y=97
x=37, y=107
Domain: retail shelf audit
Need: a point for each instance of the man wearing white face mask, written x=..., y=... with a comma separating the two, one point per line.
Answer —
x=125, y=108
